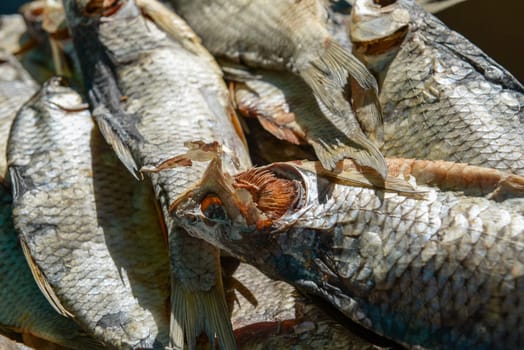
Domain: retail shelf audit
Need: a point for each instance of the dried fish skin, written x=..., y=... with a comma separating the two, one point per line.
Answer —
x=442, y=97
x=89, y=231
x=184, y=105
x=442, y=271
x=23, y=308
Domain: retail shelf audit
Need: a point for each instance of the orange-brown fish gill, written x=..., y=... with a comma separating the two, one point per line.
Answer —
x=273, y=195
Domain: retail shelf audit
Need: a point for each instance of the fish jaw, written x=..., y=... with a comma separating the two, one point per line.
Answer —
x=377, y=32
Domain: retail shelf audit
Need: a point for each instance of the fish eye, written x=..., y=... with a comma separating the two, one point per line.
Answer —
x=213, y=208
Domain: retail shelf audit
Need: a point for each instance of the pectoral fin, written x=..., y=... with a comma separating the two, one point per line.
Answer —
x=42, y=283
x=329, y=76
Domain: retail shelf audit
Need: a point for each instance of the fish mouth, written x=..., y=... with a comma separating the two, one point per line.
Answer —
x=103, y=8
x=382, y=45
x=378, y=26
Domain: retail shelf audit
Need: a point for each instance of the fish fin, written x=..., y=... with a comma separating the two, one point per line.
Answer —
x=330, y=76
x=349, y=174
x=331, y=149
x=368, y=112
x=18, y=184
x=435, y=6
x=450, y=176
x=238, y=286
x=198, y=301
x=42, y=283
x=274, y=118
x=194, y=312
x=173, y=25
x=281, y=131
x=111, y=135
x=237, y=72
x=170, y=23
x=233, y=116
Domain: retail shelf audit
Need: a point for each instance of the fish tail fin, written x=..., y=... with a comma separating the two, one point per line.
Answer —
x=330, y=149
x=198, y=301
x=334, y=77
x=194, y=312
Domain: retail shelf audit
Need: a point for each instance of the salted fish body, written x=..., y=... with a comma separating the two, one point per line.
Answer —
x=154, y=92
x=440, y=271
x=293, y=36
x=91, y=234
x=23, y=308
x=442, y=97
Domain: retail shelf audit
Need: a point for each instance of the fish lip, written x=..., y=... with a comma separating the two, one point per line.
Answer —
x=382, y=45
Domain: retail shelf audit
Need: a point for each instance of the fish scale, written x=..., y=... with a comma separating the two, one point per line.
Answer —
x=24, y=309
x=442, y=271
x=439, y=91
x=185, y=101
x=86, y=224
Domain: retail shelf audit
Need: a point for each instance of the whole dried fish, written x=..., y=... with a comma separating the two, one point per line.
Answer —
x=442, y=271
x=293, y=35
x=16, y=87
x=89, y=231
x=442, y=97
x=154, y=91
x=23, y=308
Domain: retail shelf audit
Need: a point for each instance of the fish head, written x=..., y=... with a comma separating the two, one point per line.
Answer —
x=89, y=12
x=58, y=94
x=236, y=211
x=378, y=29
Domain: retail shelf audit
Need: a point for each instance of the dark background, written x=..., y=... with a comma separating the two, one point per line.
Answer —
x=497, y=27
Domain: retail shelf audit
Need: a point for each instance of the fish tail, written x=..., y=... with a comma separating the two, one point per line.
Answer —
x=198, y=301
x=194, y=312
x=335, y=76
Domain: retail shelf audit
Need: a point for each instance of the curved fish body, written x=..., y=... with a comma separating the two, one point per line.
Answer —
x=442, y=97
x=23, y=308
x=293, y=36
x=154, y=92
x=90, y=233
x=16, y=87
x=444, y=270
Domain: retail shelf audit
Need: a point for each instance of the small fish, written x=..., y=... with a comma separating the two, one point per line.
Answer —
x=430, y=268
x=90, y=233
x=158, y=96
x=293, y=36
x=16, y=87
x=23, y=308
x=442, y=97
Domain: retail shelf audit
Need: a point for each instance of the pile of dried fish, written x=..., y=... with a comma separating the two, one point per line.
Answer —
x=133, y=218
